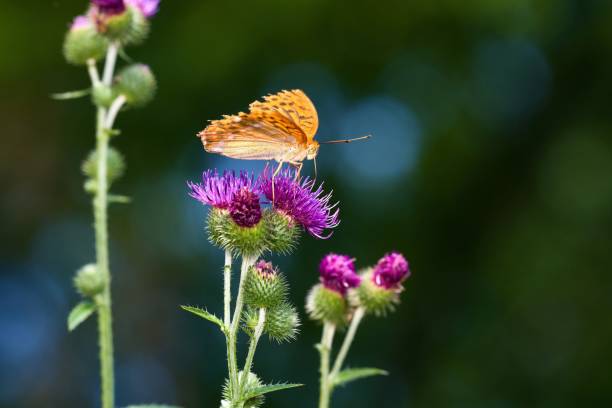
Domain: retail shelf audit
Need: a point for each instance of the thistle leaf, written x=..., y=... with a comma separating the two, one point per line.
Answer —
x=205, y=315
x=352, y=374
x=265, y=389
x=62, y=96
x=120, y=199
x=80, y=313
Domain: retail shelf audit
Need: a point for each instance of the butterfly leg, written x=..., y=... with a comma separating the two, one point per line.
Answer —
x=278, y=169
x=298, y=168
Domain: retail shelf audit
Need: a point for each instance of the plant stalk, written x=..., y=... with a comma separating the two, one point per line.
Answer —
x=325, y=346
x=261, y=321
x=348, y=340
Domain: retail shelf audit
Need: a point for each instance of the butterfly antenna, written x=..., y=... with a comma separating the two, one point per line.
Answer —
x=315, y=166
x=354, y=139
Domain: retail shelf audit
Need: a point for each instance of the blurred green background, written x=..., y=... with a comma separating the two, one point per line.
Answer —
x=489, y=168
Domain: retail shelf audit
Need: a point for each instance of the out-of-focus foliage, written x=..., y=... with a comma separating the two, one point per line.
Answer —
x=489, y=168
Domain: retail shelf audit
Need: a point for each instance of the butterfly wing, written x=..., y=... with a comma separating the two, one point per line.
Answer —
x=293, y=105
x=257, y=135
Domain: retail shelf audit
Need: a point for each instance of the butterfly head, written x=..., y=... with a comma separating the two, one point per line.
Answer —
x=312, y=150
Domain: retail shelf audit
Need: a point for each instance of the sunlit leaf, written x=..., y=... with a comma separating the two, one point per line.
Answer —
x=205, y=315
x=80, y=313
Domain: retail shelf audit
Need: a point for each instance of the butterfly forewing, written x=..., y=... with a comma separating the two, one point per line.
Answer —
x=295, y=106
x=257, y=135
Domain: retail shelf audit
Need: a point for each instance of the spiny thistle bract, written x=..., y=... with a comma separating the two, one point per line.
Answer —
x=226, y=234
x=265, y=286
x=281, y=325
x=252, y=382
x=326, y=305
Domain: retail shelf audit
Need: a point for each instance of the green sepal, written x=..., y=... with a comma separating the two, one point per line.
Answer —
x=283, y=233
x=267, y=290
x=115, y=167
x=137, y=83
x=80, y=313
x=352, y=374
x=62, y=96
x=206, y=315
x=88, y=280
x=266, y=389
x=374, y=299
x=323, y=304
x=83, y=44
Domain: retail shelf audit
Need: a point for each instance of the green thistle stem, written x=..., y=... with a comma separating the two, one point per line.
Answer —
x=261, y=321
x=227, y=299
x=346, y=344
x=324, y=347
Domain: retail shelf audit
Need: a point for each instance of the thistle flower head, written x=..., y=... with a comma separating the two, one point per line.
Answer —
x=218, y=191
x=390, y=271
x=109, y=7
x=148, y=8
x=301, y=201
x=337, y=272
x=244, y=208
x=81, y=22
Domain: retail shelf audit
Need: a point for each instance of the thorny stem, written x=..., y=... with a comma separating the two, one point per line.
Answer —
x=324, y=347
x=261, y=321
x=247, y=261
x=346, y=343
x=100, y=206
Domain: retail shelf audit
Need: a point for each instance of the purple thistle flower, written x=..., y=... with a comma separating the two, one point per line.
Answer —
x=218, y=191
x=295, y=198
x=148, y=8
x=265, y=269
x=337, y=272
x=81, y=22
x=109, y=6
x=390, y=271
x=244, y=208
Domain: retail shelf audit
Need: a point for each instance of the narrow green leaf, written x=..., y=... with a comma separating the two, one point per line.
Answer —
x=205, y=315
x=352, y=374
x=265, y=389
x=62, y=96
x=152, y=406
x=120, y=199
x=80, y=313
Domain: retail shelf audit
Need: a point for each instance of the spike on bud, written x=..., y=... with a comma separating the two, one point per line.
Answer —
x=83, y=42
x=88, y=281
x=329, y=305
x=264, y=287
x=137, y=83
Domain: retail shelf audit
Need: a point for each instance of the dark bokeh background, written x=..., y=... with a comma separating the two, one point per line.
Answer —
x=490, y=169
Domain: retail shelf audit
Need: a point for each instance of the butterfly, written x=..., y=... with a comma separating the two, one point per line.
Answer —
x=282, y=127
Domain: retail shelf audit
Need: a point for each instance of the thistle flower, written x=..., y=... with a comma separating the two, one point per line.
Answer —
x=245, y=208
x=381, y=286
x=337, y=272
x=390, y=271
x=218, y=191
x=301, y=202
x=109, y=7
x=148, y=8
x=81, y=22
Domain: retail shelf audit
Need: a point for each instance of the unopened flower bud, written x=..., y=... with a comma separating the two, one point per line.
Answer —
x=252, y=382
x=326, y=305
x=282, y=322
x=89, y=281
x=137, y=83
x=83, y=42
x=380, y=288
x=102, y=95
x=115, y=165
x=264, y=287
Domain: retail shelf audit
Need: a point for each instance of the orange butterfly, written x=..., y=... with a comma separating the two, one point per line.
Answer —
x=280, y=128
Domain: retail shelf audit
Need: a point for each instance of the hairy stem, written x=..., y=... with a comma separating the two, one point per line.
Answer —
x=348, y=340
x=113, y=111
x=227, y=299
x=261, y=321
x=247, y=261
x=109, y=65
x=325, y=346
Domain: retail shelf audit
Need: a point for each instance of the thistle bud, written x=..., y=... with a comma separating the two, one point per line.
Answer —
x=283, y=233
x=115, y=165
x=264, y=286
x=83, y=42
x=323, y=304
x=282, y=322
x=113, y=18
x=137, y=83
x=88, y=280
x=381, y=285
x=102, y=95
x=141, y=11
